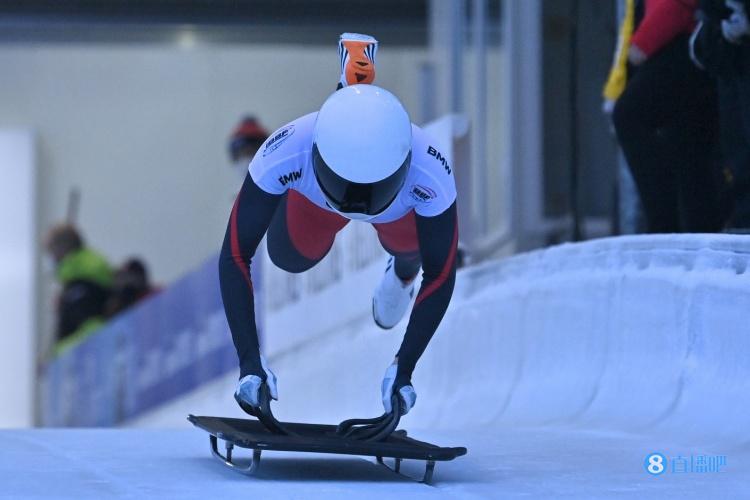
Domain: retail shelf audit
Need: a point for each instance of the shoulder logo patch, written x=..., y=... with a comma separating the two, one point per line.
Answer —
x=273, y=143
x=422, y=194
x=290, y=177
x=436, y=154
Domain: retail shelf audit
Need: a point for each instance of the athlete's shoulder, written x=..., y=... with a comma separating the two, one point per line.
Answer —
x=285, y=151
x=428, y=154
x=432, y=184
x=290, y=139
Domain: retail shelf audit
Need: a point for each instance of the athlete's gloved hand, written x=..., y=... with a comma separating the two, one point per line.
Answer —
x=392, y=383
x=248, y=387
x=736, y=26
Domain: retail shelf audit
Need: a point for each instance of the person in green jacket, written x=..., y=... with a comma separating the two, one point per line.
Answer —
x=86, y=278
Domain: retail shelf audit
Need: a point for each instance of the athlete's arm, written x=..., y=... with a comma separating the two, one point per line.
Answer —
x=251, y=216
x=438, y=242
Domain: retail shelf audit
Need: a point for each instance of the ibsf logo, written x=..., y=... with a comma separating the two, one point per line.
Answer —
x=422, y=194
x=278, y=139
x=434, y=152
x=290, y=177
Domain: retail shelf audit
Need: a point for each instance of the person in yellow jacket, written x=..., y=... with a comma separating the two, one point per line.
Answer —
x=86, y=278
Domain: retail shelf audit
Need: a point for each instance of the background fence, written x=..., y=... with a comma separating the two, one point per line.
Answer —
x=163, y=348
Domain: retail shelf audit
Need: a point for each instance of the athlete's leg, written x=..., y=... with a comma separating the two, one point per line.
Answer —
x=399, y=238
x=301, y=233
x=396, y=288
x=406, y=268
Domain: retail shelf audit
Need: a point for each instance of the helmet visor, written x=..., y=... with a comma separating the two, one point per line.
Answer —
x=349, y=197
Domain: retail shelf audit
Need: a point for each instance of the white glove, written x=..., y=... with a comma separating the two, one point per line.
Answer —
x=248, y=388
x=737, y=25
x=407, y=393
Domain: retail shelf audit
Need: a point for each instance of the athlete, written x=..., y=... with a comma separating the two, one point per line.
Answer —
x=358, y=158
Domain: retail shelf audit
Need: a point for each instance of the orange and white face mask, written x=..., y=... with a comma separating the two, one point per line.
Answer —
x=357, y=55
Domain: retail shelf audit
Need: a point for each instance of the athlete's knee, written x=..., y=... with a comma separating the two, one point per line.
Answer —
x=407, y=267
x=282, y=253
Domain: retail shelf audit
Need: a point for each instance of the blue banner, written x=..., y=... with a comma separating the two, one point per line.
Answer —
x=162, y=348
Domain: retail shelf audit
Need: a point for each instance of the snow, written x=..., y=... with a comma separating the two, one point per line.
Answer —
x=560, y=370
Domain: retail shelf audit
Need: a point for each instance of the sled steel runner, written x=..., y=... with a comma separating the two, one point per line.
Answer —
x=429, y=465
x=374, y=437
x=214, y=440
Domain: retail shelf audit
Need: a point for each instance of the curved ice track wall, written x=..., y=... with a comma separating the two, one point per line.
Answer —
x=633, y=333
x=643, y=334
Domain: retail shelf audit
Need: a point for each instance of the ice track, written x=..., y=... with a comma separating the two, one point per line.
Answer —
x=560, y=370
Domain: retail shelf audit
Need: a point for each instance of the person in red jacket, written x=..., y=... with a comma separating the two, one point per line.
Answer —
x=666, y=122
x=664, y=21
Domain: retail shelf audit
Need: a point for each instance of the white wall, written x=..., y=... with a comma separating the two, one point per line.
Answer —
x=17, y=277
x=142, y=130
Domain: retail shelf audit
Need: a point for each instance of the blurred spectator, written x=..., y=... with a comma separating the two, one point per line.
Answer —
x=131, y=285
x=86, y=280
x=721, y=45
x=247, y=138
x=666, y=118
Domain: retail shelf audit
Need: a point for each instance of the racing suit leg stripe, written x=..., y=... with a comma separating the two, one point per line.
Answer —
x=400, y=235
x=312, y=230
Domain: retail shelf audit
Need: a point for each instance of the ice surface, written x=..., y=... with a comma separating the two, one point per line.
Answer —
x=559, y=370
x=502, y=463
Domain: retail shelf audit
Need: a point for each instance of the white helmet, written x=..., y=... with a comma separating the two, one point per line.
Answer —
x=361, y=150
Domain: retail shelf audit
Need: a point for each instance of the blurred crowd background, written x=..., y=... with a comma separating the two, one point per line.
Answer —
x=128, y=127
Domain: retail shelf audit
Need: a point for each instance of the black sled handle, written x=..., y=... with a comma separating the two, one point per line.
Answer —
x=372, y=429
x=264, y=413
